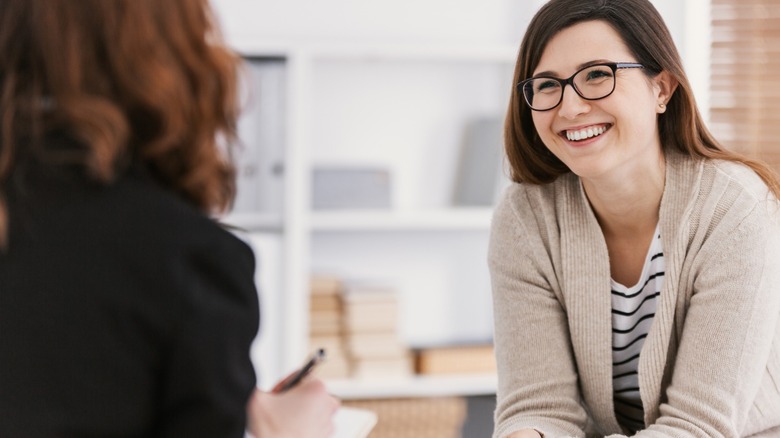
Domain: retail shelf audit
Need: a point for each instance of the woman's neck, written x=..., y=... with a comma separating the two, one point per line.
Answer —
x=628, y=204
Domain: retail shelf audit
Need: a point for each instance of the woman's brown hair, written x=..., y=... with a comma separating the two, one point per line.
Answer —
x=645, y=34
x=127, y=80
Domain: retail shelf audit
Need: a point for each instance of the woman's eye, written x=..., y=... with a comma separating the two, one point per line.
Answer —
x=546, y=85
x=598, y=74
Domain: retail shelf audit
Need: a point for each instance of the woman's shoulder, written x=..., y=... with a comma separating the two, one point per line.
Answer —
x=525, y=197
x=715, y=180
x=525, y=208
x=188, y=251
x=725, y=195
x=739, y=174
x=133, y=214
x=157, y=214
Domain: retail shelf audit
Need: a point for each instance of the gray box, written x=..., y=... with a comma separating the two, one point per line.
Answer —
x=345, y=187
x=480, y=176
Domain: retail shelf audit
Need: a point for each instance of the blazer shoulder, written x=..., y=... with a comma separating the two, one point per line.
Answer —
x=160, y=217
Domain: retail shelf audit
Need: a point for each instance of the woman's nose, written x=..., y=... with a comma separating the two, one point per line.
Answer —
x=572, y=104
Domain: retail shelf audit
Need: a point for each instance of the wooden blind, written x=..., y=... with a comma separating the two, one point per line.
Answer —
x=745, y=77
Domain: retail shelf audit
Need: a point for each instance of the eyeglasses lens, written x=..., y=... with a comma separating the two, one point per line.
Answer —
x=595, y=82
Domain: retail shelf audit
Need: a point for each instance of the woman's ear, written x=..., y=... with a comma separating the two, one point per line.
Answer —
x=664, y=86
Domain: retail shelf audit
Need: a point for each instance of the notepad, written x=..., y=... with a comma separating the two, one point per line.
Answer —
x=353, y=422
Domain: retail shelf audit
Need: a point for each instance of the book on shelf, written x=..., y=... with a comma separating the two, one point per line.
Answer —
x=326, y=326
x=370, y=308
x=325, y=307
x=357, y=323
x=326, y=303
x=385, y=367
x=455, y=359
x=375, y=345
x=324, y=323
x=371, y=332
x=336, y=366
x=326, y=285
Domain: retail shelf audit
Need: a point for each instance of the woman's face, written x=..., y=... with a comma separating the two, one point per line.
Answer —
x=617, y=134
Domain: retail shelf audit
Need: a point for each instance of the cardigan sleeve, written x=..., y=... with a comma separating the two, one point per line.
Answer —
x=730, y=330
x=537, y=379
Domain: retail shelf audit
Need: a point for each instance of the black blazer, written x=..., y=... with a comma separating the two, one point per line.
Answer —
x=124, y=312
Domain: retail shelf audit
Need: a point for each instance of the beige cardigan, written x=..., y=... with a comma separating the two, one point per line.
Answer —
x=710, y=366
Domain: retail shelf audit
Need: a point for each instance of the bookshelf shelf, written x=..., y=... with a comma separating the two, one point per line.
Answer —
x=418, y=386
x=255, y=222
x=429, y=220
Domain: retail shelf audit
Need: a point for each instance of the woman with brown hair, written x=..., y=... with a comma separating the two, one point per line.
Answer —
x=635, y=263
x=124, y=309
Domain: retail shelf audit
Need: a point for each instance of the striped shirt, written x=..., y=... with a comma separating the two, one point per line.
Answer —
x=633, y=309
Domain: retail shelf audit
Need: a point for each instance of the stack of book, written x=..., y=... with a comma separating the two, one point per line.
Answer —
x=371, y=333
x=326, y=326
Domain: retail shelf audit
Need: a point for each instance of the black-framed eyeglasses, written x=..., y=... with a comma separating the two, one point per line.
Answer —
x=593, y=82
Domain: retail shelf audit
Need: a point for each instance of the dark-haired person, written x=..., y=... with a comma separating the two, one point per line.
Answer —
x=635, y=263
x=125, y=311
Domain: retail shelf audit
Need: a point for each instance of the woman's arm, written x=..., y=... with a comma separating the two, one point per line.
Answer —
x=537, y=378
x=729, y=334
x=208, y=376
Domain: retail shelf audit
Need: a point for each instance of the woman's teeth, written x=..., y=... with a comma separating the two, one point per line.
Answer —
x=582, y=134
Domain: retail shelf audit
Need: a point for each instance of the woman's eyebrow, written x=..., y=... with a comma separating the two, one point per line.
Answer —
x=549, y=73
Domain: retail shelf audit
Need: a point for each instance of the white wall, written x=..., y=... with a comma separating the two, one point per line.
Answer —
x=380, y=21
x=397, y=21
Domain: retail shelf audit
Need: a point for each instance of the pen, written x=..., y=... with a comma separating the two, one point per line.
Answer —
x=296, y=377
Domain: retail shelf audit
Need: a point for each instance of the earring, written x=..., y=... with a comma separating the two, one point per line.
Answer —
x=662, y=106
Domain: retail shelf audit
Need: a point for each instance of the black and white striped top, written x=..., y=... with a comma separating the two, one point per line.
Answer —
x=633, y=309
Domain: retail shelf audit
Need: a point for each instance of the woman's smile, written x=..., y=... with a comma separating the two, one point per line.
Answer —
x=579, y=134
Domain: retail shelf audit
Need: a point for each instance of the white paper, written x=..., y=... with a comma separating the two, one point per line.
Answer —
x=353, y=422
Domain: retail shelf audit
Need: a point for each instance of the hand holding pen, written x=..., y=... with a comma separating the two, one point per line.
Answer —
x=296, y=406
x=296, y=377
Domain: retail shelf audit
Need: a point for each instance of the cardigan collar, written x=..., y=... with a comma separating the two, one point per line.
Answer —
x=683, y=179
x=586, y=288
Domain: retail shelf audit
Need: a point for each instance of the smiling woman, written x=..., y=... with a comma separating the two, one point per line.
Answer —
x=606, y=99
x=635, y=263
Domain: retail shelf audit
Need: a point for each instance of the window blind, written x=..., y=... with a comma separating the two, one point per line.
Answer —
x=745, y=77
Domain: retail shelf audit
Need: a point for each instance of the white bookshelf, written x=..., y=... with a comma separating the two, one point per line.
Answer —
x=432, y=250
x=379, y=85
